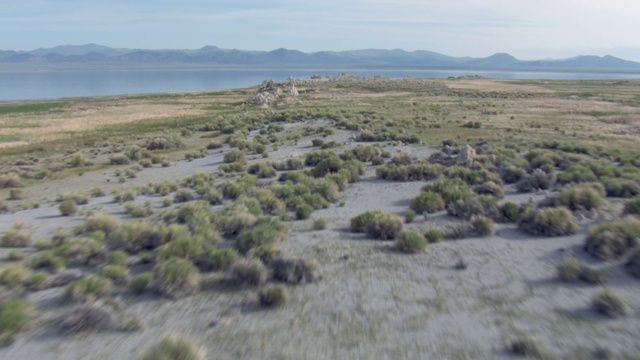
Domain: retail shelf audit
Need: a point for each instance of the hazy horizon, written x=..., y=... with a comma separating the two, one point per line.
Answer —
x=528, y=31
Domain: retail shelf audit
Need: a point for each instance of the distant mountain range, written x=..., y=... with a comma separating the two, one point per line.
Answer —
x=93, y=55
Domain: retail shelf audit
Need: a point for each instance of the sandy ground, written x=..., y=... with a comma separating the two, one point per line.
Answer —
x=372, y=302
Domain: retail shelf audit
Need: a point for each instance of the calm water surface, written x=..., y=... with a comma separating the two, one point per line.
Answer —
x=24, y=85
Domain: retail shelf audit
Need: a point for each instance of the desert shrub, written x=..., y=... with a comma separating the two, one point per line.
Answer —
x=233, y=223
x=182, y=195
x=15, y=314
x=249, y=272
x=607, y=302
x=410, y=241
x=470, y=176
x=13, y=275
x=458, y=231
x=119, y=159
x=366, y=153
x=319, y=224
x=137, y=235
x=526, y=346
x=137, y=211
x=118, y=257
x=632, y=207
x=214, y=144
x=235, y=155
x=173, y=347
x=262, y=169
x=141, y=283
x=489, y=188
x=409, y=216
x=579, y=198
x=613, y=239
x=477, y=205
x=313, y=158
x=116, y=273
x=15, y=238
x=176, y=277
x=384, y=226
x=433, y=236
x=172, y=141
x=449, y=189
x=622, y=188
x=266, y=233
x=68, y=207
x=215, y=258
x=549, y=222
x=87, y=318
x=427, y=202
x=508, y=212
x=303, y=211
x=330, y=164
x=576, y=174
x=15, y=255
x=482, y=226
x=317, y=142
x=38, y=280
x=187, y=247
x=359, y=222
x=88, y=289
x=511, y=174
x=10, y=181
x=417, y=171
x=537, y=180
x=101, y=222
x=213, y=196
x=569, y=269
x=123, y=196
x=46, y=259
x=294, y=270
x=273, y=295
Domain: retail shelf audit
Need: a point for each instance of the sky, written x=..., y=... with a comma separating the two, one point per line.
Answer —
x=528, y=29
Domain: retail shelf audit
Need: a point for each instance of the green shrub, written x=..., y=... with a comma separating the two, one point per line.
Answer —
x=116, y=273
x=13, y=275
x=319, y=224
x=235, y=155
x=359, y=222
x=489, y=188
x=294, y=270
x=622, y=188
x=262, y=169
x=273, y=296
x=330, y=164
x=384, y=226
x=217, y=259
x=88, y=289
x=613, y=239
x=579, y=198
x=549, y=222
x=477, y=205
x=303, y=211
x=266, y=233
x=249, y=272
x=176, y=277
x=410, y=241
x=569, y=269
x=101, y=222
x=38, y=280
x=182, y=195
x=15, y=255
x=187, y=247
x=235, y=222
x=15, y=314
x=428, y=202
x=632, y=207
x=537, y=180
x=607, y=302
x=576, y=174
x=46, y=259
x=449, y=189
x=409, y=216
x=68, y=207
x=141, y=282
x=482, y=226
x=173, y=347
x=118, y=257
x=137, y=211
x=15, y=238
x=135, y=236
x=433, y=236
x=508, y=212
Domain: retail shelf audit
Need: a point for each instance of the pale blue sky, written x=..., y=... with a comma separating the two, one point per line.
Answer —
x=526, y=29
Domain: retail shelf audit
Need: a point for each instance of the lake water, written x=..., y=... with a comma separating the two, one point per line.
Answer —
x=24, y=85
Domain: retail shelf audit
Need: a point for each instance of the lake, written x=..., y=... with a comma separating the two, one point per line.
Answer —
x=26, y=85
